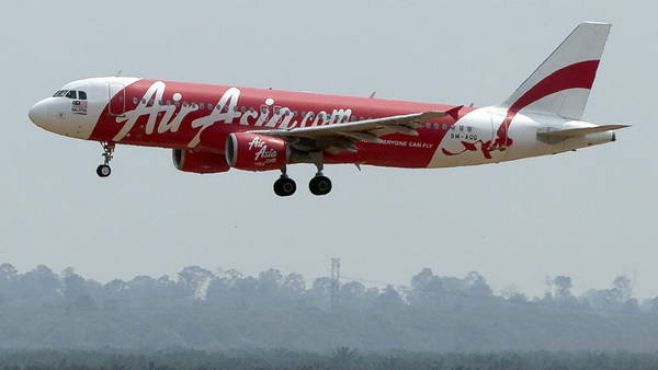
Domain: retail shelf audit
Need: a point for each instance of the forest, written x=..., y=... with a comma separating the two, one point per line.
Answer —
x=224, y=310
x=340, y=359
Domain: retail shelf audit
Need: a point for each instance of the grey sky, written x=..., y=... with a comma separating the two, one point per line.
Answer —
x=591, y=215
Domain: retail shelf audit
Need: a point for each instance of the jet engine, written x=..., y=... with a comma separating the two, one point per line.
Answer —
x=199, y=162
x=253, y=152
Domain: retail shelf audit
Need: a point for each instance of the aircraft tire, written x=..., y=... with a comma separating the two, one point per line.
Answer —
x=103, y=170
x=285, y=187
x=320, y=185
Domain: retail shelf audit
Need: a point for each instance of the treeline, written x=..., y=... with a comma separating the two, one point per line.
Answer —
x=225, y=310
x=339, y=359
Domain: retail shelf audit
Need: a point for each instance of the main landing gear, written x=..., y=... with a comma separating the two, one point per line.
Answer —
x=104, y=169
x=319, y=184
x=284, y=186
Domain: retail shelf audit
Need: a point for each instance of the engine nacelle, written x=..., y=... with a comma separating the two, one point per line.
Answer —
x=199, y=162
x=253, y=152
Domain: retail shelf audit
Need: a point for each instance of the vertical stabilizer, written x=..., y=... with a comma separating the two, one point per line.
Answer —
x=561, y=85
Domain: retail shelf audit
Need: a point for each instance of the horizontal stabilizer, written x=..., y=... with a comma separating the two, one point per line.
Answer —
x=574, y=132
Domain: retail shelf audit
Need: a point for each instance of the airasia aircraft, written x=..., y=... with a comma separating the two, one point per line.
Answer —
x=213, y=128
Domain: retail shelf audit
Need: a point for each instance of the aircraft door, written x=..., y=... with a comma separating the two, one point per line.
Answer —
x=117, y=99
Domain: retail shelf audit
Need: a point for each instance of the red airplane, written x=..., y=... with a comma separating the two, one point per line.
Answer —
x=213, y=128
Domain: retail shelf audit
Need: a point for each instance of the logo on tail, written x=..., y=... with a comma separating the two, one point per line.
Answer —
x=559, y=87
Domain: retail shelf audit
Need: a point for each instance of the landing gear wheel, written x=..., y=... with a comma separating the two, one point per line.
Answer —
x=285, y=187
x=320, y=185
x=103, y=170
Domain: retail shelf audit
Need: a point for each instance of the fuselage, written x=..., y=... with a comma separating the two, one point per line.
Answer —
x=199, y=117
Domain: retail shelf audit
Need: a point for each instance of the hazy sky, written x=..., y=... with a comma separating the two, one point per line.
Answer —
x=591, y=214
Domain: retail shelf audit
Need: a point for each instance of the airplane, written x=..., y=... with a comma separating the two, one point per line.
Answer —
x=212, y=129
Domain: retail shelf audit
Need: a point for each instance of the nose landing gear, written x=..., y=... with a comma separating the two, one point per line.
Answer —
x=104, y=169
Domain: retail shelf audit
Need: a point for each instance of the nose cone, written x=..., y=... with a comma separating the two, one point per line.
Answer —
x=39, y=114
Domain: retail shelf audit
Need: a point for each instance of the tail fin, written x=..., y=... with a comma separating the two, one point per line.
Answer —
x=561, y=85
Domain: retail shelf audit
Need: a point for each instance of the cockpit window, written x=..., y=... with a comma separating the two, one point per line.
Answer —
x=71, y=94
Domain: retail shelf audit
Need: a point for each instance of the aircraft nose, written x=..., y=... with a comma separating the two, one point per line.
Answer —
x=39, y=114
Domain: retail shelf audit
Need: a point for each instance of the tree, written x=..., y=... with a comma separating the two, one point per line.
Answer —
x=422, y=280
x=426, y=289
x=142, y=291
x=115, y=294
x=116, y=288
x=652, y=305
x=295, y=283
x=269, y=281
x=8, y=272
x=8, y=277
x=40, y=286
x=352, y=291
x=512, y=294
x=219, y=292
x=247, y=292
x=76, y=294
x=320, y=292
x=390, y=299
x=563, y=287
x=622, y=288
x=194, y=280
x=477, y=285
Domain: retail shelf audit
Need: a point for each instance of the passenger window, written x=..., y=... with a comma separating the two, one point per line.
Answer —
x=72, y=94
x=82, y=95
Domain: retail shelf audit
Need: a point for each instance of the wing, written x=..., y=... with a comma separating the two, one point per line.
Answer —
x=341, y=137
